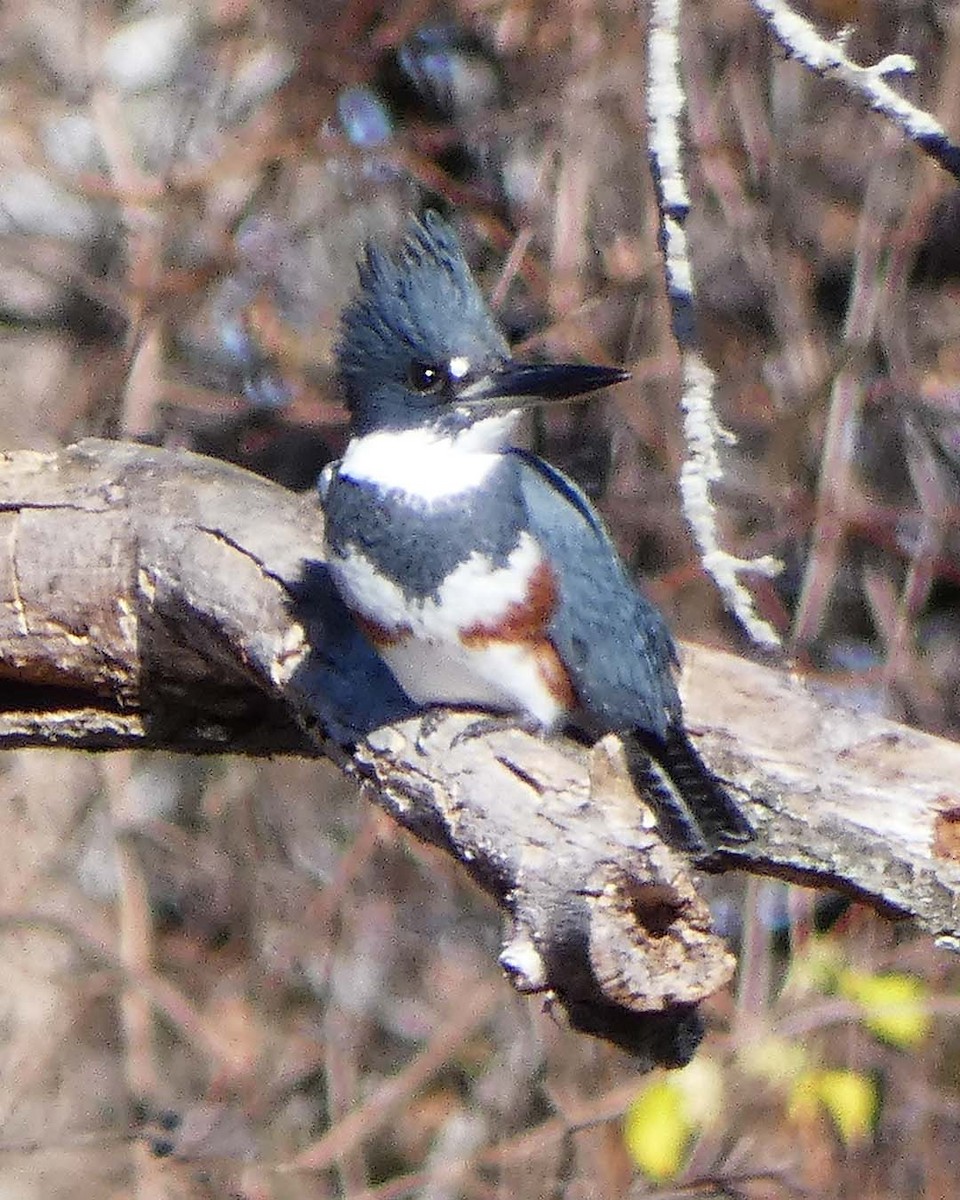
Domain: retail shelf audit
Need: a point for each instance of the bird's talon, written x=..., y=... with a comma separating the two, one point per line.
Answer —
x=430, y=722
x=483, y=726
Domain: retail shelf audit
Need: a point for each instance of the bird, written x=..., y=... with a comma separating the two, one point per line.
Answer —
x=481, y=574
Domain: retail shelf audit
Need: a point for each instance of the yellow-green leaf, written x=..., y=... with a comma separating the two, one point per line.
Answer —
x=657, y=1130
x=893, y=1005
x=849, y=1097
x=772, y=1059
x=701, y=1084
x=815, y=968
x=851, y=1100
x=804, y=1101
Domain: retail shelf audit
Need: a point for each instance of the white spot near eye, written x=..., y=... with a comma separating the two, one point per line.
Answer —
x=459, y=366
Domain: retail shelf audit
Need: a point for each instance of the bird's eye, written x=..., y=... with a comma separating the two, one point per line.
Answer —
x=426, y=377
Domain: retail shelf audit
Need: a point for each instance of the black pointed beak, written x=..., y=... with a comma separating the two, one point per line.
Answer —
x=514, y=384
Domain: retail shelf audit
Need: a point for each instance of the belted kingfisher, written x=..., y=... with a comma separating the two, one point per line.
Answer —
x=482, y=575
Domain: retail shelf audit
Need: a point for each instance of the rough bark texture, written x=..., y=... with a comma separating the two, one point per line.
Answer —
x=155, y=599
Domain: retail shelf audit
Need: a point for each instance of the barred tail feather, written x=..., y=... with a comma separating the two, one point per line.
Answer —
x=694, y=811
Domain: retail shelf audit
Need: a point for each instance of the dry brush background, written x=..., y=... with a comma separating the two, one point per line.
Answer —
x=235, y=979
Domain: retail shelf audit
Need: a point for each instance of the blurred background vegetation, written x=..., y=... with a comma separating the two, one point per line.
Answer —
x=236, y=979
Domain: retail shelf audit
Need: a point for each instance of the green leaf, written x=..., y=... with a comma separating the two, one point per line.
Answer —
x=657, y=1129
x=893, y=1005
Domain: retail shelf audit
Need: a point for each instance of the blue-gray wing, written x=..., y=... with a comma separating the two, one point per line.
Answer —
x=614, y=643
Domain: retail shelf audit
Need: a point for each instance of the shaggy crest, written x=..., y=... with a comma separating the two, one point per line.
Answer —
x=417, y=303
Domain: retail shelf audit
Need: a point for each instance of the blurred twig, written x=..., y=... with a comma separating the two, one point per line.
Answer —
x=702, y=428
x=351, y=1130
x=800, y=39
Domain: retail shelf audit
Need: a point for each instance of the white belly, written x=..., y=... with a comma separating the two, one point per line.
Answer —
x=422, y=643
x=502, y=676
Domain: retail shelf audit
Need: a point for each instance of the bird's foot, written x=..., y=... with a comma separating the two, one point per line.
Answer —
x=495, y=723
x=430, y=722
x=433, y=718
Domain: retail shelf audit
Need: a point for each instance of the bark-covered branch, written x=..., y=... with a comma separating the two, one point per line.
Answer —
x=158, y=599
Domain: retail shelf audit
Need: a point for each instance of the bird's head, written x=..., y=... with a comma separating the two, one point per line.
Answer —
x=420, y=348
